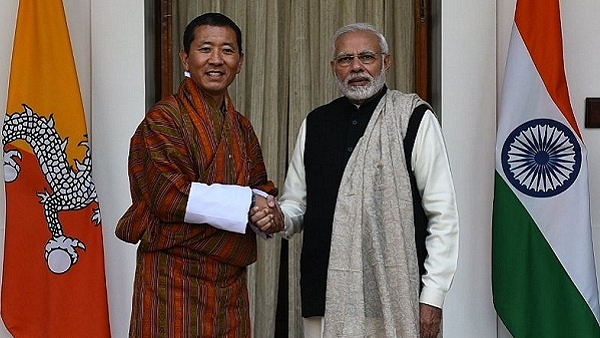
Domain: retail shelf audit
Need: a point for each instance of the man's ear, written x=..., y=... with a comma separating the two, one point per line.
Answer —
x=239, y=67
x=184, y=58
x=387, y=62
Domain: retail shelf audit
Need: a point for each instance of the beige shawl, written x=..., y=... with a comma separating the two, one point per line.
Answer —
x=373, y=277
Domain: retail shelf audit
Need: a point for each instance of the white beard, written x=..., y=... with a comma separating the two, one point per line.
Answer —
x=361, y=93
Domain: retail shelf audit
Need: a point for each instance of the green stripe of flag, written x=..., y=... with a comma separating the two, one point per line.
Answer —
x=533, y=294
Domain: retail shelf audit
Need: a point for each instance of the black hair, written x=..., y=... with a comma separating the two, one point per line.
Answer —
x=209, y=19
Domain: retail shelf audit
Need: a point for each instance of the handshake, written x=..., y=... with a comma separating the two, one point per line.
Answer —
x=266, y=215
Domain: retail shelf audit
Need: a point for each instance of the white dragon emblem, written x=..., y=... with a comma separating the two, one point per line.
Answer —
x=71, y=190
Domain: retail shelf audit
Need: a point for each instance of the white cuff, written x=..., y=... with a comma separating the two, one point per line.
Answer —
x=222, y=206
x=260, y=192
x=432, y=297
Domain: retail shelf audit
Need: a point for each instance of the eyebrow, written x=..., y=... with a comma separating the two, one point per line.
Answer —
x=211, y=42
x=361, y=52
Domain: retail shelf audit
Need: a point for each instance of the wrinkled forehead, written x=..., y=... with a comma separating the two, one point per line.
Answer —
x=357, y=42
x=213, y=34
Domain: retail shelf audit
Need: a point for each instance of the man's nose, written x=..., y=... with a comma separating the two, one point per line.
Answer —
x=356, y=65
x=215, y=57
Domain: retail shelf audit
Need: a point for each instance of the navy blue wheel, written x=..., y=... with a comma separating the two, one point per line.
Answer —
x=541, y=158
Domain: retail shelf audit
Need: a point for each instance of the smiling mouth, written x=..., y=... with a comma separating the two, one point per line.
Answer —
x=215, y=74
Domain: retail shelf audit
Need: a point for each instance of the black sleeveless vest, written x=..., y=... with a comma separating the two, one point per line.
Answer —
x=332, y=132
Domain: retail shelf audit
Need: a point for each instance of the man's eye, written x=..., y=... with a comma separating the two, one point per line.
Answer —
x=367, y=58
x=345, y=59
x=228, y=51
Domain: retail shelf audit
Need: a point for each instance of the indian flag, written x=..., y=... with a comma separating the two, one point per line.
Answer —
x=53, y=281
x=543, y=278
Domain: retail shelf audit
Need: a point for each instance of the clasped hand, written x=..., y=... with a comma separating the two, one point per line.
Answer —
x=266, y=215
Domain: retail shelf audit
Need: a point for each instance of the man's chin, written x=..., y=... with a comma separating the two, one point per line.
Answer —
x=358, y=93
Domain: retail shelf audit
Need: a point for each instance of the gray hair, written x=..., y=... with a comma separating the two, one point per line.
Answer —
x=361, y=27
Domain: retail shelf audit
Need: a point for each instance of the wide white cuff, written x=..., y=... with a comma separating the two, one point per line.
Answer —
x=260, y=192
x=222, y=206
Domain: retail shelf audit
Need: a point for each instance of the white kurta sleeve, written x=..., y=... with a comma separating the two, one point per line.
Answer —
x=222, y=206
x=293, y=197
x=434, y=182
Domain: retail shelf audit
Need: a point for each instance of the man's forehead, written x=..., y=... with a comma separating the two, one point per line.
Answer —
x=209, y=33
x=359, y=41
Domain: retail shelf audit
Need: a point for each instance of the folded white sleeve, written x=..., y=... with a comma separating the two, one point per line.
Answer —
x=223, y=206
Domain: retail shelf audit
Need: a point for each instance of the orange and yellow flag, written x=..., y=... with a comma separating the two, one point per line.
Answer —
x=53, y=281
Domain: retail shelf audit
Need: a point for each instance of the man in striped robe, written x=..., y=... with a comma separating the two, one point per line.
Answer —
x=195, y=170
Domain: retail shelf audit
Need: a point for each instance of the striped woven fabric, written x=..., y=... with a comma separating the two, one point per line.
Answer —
x=190, y=279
